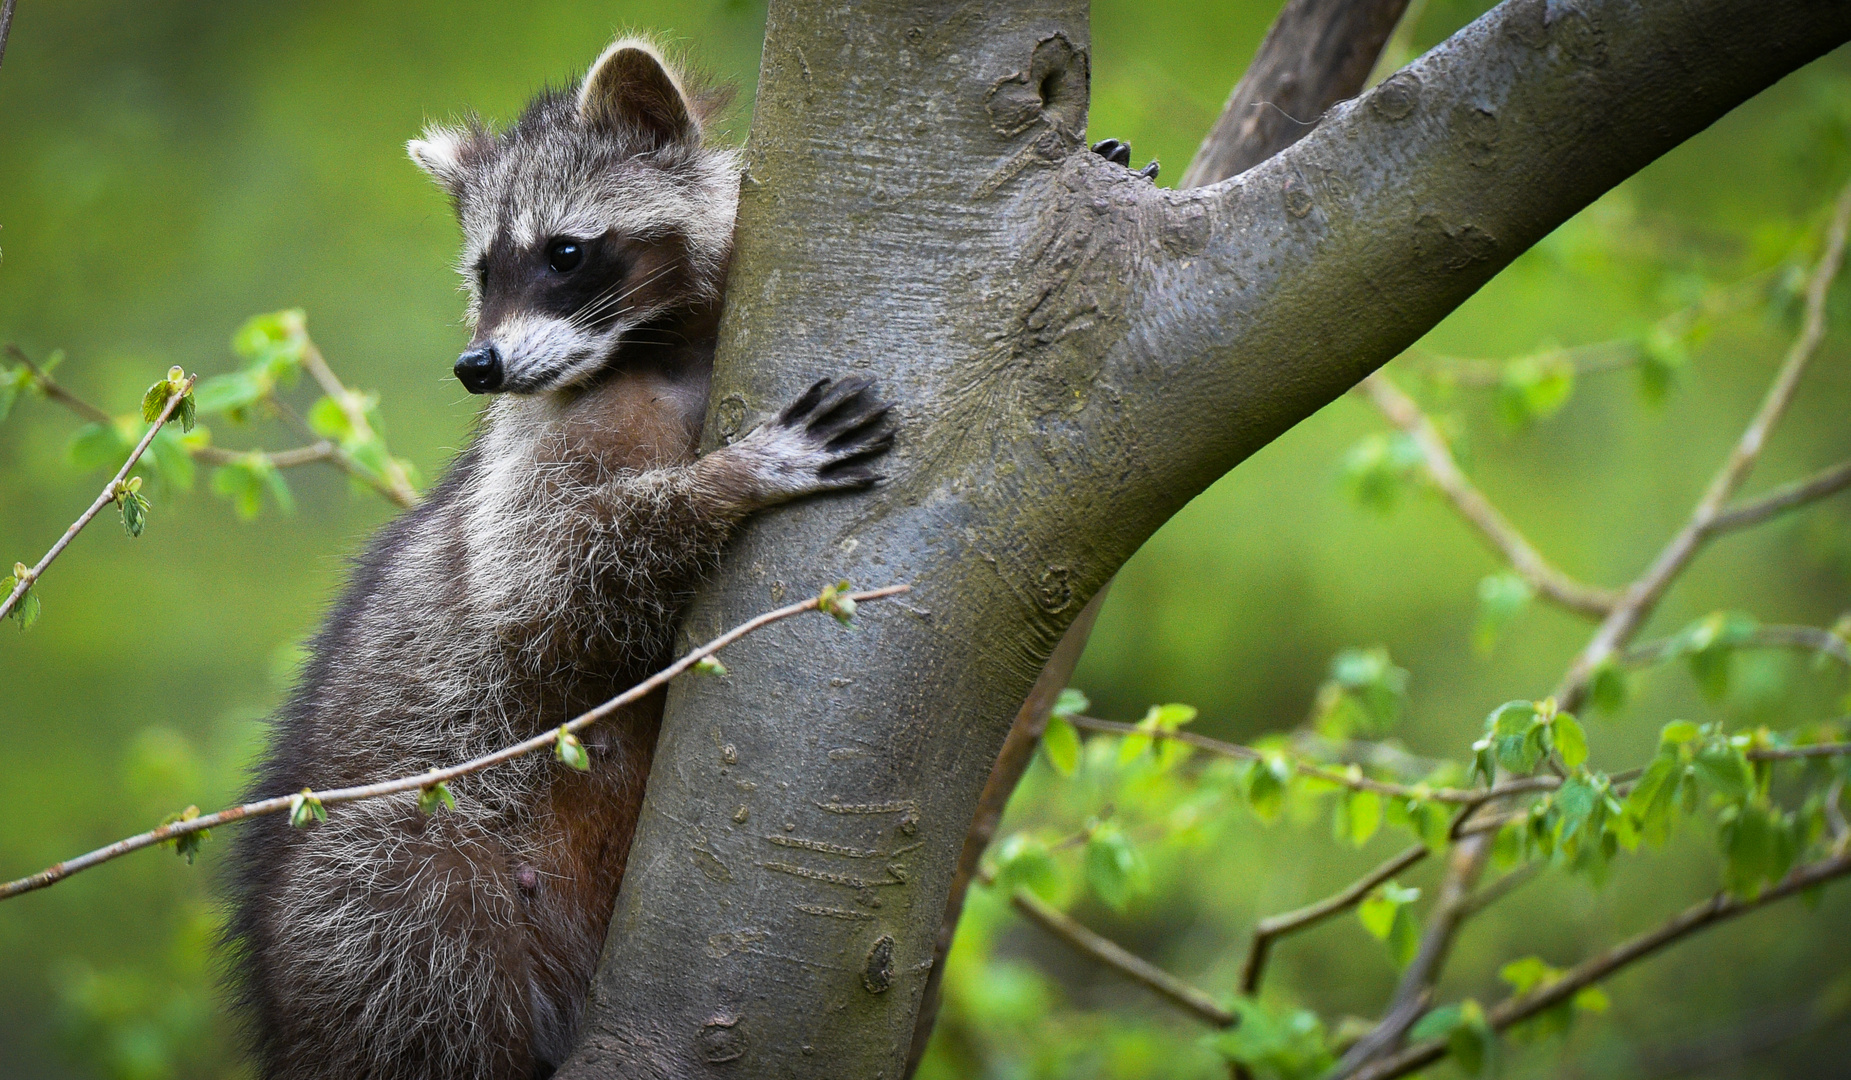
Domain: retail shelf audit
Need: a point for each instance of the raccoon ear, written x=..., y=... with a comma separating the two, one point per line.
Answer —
x=631, y=88
x=444, y=154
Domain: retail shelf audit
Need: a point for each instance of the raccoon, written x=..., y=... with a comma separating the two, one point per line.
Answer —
x=541, y=577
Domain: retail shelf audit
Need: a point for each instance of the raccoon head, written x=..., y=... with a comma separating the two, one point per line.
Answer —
x=587, y=225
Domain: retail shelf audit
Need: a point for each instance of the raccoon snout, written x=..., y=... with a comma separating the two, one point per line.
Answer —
x=479, y=369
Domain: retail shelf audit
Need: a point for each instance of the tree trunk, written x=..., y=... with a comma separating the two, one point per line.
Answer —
x=1075, y=354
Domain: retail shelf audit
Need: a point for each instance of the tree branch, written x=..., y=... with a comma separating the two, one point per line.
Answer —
x=1701, y=916
x=419, y=782
x=107, y=496
x=1817, y=486
x=1549, y=582
x=6, y=25
x=1114, y=956
x=56, y=390
x=1274, y=927
x=1317, y=53
x=392, y=481
x=1642, y=597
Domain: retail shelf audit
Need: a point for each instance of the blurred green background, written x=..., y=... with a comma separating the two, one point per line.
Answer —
x=170, y=167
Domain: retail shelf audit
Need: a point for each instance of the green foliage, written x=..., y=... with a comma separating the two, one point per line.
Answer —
x=186, y=844
x=1502, y=598
x=435, y=797
x=1389, y=917
x=247, y=480
x=305, y=809
x=1023, y=862
x=571, y=751
x=1363, y=695
x=709, y=665
x=1115, y=871
x=1378, y=468
x=836, y=602
x=1468, y=1035
x=1275, y=1043
x=1534, y=388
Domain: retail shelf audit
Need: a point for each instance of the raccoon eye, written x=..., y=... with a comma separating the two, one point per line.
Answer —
x=564, y=255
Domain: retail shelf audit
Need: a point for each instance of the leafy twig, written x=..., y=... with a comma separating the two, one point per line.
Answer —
x=1708, y=913
x=1542, y=576
x=291, y=803
x=55, y=390
x=108, y=495
x=393, y=483
x=1352, y=780
x=1805, y=638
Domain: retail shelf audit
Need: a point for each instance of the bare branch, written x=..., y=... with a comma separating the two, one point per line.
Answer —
x=1642, y=597
x=1317, y=53
x=280, y=803
x=1548, y=581
x=56, y=390
x=1515, y=1010
x=1274, y=927
x=107, y=496
x=1817, y=486
x=1109, y=953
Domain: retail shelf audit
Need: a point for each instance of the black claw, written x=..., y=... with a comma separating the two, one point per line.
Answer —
x=1113, y=150
x=844, y=395
x=804, y=403
x=854, y=427
x=1149, y=172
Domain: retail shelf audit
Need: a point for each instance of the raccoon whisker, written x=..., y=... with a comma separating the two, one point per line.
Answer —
x=604, y=302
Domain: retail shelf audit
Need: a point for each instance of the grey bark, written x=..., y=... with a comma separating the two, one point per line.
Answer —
x=1320, y=51
x=1076, y=354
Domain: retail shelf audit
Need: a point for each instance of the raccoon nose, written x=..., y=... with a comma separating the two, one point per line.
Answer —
x=479, y=369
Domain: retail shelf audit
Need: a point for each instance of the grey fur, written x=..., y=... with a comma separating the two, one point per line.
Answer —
x=542, y=576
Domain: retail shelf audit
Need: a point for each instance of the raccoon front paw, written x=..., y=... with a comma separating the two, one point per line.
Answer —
x=826, y=440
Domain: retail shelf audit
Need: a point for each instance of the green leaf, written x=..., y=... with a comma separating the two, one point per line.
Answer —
x=1377, y=469
x=1274, y=1045
x=1591, y=999
x=172, y=460
x=305, y=809
x=1359, y=817
x=1501, y=599
x=1472, y=1042
x=1725, y=770
x=1527, y=974
x=1534, y=388
x=95, y=445
x=134, y=510
x=1607, y=689
x=1266, y=787
x=1678, y=732
x=1570, y=740
x=25, y=610
x=275, y=333
x=1071, y=703
x=187, y=844
x=1363, y=695
x=225, y=393
x=709, y=665
x=1758, y=846
x=327, y=419
x=1662, y=358
x=434, y=798
x=1654, y=798
x=1022, y=862
x=1574, y=804
x=568, y=749
x=1437, y=1024
x=1115, y=872
x=1377, y=910
x=835, y=602
x=155, y=400
x=1062, y=744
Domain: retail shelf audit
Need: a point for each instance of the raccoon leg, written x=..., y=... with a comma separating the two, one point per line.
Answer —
x=393, y=948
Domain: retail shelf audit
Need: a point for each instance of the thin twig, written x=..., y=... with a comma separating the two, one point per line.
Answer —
x=1805, y=638
x=1546, y=579
x=107, y=496
x=57, y=391
x=281, y=803
x=1353, y=781
x=1799, y=493
x=1274, y=927
x=1708, y=913
x=1642, y=597
x=1109, y=953
x=321, y=450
